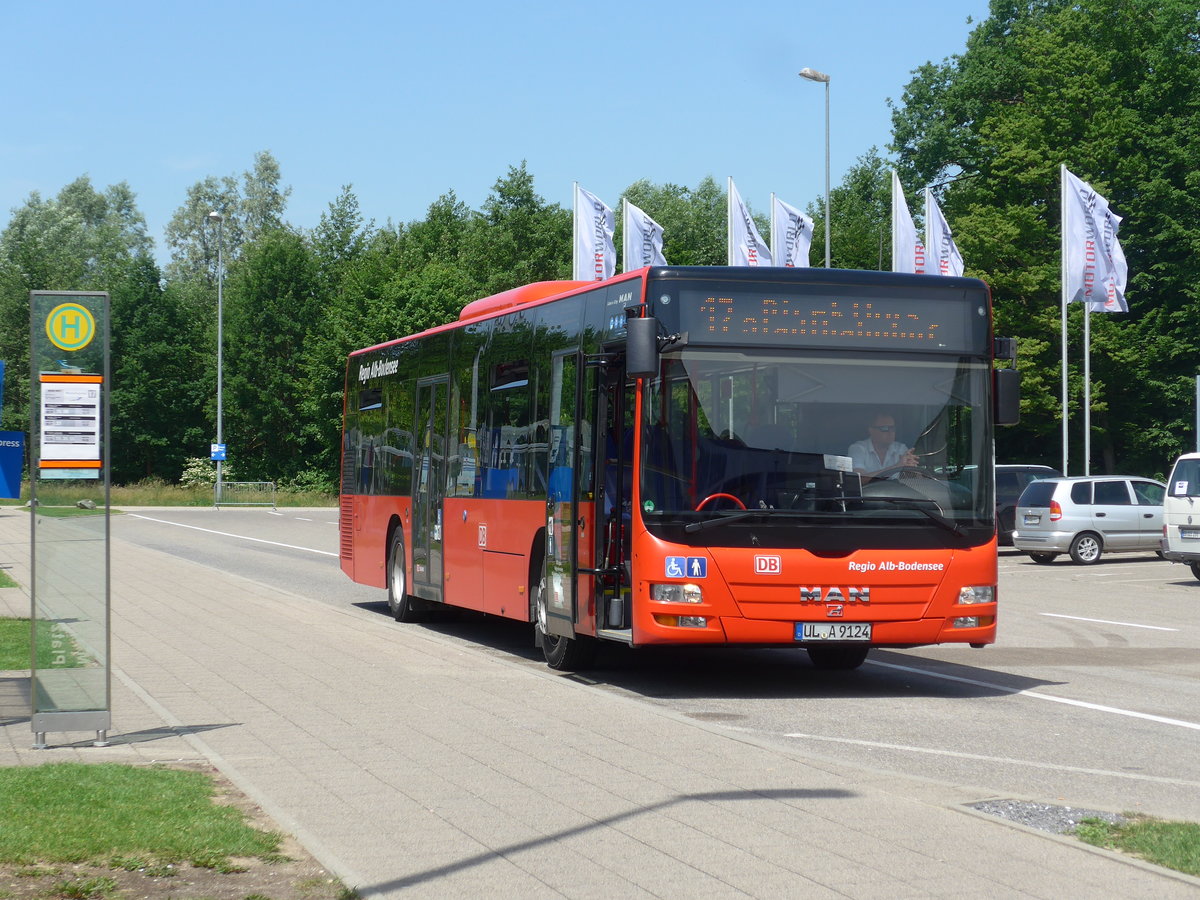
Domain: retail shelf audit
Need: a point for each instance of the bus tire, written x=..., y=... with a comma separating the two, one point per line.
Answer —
x=561, y=652
x=839, y=657
x=1195, y=567
x=402, y=604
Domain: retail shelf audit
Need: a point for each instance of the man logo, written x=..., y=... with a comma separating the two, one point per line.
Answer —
x=768, y=565
x=835, y=595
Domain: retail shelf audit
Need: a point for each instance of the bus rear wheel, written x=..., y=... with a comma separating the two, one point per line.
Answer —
x=562, y=653
x=838, y=657
x=402, y=605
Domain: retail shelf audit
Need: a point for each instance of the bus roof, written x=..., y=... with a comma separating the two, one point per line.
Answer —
x=542, y=291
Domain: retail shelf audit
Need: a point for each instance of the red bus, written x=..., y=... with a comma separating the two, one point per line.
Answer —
x=668, y=457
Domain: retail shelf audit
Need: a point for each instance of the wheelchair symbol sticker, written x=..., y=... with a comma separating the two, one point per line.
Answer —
x=686, y=567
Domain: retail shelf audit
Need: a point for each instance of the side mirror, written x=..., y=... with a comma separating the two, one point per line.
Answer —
x=1007, y=397
x=641, y=347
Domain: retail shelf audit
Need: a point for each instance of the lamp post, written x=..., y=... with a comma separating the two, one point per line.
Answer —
x=216, y=217
x=814, y=75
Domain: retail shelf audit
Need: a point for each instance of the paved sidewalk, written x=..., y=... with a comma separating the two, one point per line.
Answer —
x=411, y=767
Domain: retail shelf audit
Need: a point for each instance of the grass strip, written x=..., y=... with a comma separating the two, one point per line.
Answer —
x=54, y=650
x=14, y=644
x=1173, y=845
x=155, y=493
x=75, y=812
x=5, y=580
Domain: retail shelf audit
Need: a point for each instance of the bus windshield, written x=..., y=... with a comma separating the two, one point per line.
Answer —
x=761, y=436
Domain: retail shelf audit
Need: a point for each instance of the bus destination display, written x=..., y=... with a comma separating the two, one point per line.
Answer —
x=910, y=323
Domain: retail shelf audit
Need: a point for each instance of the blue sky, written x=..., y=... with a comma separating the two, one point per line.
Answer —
x=407, y=101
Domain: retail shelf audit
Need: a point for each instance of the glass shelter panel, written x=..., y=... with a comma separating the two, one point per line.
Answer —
x=70, y=688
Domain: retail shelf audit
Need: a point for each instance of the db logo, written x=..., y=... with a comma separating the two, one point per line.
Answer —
x=768, y=565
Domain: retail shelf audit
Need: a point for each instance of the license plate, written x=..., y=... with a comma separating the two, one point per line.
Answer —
x=1032, y=520
x=833, y=631
x=1189, y=534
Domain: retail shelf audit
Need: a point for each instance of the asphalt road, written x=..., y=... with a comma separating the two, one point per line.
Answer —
x=1090, y=697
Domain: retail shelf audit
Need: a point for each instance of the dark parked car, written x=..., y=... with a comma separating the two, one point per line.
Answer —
x=1010, y=481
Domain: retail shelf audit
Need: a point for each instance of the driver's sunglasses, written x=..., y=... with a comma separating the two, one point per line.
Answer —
x=884, y=427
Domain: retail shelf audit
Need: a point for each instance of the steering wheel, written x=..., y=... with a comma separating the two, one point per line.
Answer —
x=719, y=496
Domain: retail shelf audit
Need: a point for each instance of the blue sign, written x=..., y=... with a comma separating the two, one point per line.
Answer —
x=218, y=452
x=686, y=567
x=12, y=460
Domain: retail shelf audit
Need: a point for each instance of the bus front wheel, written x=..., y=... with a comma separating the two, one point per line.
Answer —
x=402, y=605
x=838, y=657
x=561, y=652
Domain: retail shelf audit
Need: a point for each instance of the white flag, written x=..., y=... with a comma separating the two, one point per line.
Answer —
x=908, y=253
x=791, y=234
x=939, y=240
x=595, y=256
x=642, y=241
x=1094, y=269
x=746, y=246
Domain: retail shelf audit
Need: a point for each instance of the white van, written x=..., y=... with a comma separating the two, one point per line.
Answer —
x=1181, y=513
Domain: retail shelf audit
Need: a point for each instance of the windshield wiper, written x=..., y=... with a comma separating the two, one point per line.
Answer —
x=934, y=515
x=726, y=516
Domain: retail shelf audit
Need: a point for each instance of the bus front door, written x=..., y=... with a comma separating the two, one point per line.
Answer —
x=429, y=487
x=570, y=499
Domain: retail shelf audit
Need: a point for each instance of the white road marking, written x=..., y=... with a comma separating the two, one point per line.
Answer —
x=1108, y=622
x=1082, y=704
x=238, y=536
x=302, y=519
x=274, y=513
x=994, y=759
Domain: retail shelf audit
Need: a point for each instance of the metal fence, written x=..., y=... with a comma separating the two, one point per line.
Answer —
x=244, y=493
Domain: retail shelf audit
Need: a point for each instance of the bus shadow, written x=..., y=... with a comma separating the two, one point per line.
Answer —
x=492, y=633
x=675, y=673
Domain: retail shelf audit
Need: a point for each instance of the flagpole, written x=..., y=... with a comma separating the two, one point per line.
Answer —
x=1062, y=178
x=928, y=245
x=1087, y=388
x=575, y=231
x=729, y=221
x=774, y=234
x=624, y=235
x=895, y=249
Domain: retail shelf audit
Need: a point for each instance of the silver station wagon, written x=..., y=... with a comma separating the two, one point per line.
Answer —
x=1089, y=516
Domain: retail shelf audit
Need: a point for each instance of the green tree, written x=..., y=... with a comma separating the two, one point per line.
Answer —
x=694, y=220
x=517, y=237
x=249, y=209
x=81, y=240
x=272, y=306
x=346, y=280
x=1111, y=88
x=158, y=403
x=860, y=217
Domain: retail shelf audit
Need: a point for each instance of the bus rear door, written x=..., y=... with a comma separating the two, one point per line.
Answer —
x=429, y=487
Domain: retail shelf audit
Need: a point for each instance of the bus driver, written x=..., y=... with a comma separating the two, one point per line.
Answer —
x=880, y=450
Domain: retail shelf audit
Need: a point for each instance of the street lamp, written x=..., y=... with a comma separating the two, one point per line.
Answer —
x=216, y=217
x=814, y=75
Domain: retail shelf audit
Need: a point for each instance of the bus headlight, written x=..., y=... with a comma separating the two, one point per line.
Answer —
x=676, y=593
x=979, y=593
